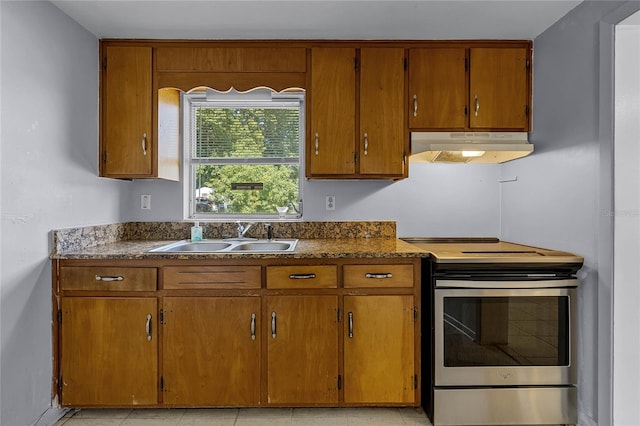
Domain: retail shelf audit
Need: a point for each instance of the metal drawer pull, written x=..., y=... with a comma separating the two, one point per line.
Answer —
x=109, y=278
x=317, y=143
x=415, y=105
x=148, y=327
x=144, y=144
x=366, y=144
x=477, y=105
x=379, y=276
x=302, y=276
x=273, y=325
x=350, y=315
x=253, y=326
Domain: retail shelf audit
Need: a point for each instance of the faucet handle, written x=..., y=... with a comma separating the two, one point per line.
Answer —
x=269, y=229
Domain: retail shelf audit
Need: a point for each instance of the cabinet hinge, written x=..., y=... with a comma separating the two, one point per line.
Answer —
x=339, y=315
x=60, y=382
x=415, y=314
x=406, y=64
x=528, y=64
x=339, y=381
x=465, y=111
x=59, y=316
x=161, y=319
x=404, y=158
x=526, y=110
x=161, y=383
x=104, y=157
x=355, y=158
x=356, y=63
x=415, y=381
x=104, y=63
x=466, y=64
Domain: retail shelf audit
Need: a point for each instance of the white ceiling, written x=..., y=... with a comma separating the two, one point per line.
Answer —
x=316, y=19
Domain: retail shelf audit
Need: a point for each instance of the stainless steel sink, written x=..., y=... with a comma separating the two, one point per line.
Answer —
x=230, y=245
x=264, y=246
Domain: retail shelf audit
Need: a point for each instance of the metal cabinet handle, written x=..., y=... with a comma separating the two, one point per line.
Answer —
x=477, y=105
x=350, y=315
x=317, y=142
x=302, y=276
x=148, y=327
x=144, y=144
x=253, y=326
x=415, y=105
x=109, y=278
x=273, y=325
x=366, y=143
x=378, y=275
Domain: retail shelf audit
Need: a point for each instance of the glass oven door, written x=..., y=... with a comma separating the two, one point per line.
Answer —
x=504, y=337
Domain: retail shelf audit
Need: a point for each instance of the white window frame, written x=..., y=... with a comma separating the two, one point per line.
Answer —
x=233, y=98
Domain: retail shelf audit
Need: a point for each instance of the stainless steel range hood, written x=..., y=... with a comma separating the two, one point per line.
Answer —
x=468, y=147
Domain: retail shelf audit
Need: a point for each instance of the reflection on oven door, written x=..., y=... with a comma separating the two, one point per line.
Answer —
x=502, y=331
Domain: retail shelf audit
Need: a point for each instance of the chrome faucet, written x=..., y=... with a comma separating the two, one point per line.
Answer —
x=242, y=229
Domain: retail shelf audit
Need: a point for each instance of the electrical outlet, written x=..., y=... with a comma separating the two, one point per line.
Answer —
x=145, y=202
x=330, y=202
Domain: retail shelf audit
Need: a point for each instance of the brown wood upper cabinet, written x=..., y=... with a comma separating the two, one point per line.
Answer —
x=437, y=88
x=130, y=146
x=459, y=88
x=499, y=88
x=356, y=113
x=232, y=59
x=126, y=128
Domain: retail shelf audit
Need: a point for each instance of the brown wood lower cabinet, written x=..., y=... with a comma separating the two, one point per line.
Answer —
x=302, y=342
x=246, y=333
x=108, y=351
x=379, y=334
x=211, y=351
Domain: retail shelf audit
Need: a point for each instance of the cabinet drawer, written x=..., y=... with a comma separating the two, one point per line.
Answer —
x=378, y=276
x=107, y=278
x=211, y=277
x=315, y=276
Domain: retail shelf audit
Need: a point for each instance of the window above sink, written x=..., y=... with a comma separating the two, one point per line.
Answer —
x=242, y=153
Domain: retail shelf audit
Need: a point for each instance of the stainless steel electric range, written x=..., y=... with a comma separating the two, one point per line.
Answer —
x=499, y=337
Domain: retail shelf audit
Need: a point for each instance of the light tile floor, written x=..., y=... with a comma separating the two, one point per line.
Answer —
x=246, y=417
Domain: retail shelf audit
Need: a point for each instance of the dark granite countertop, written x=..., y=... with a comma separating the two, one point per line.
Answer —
x=306, y=248
x=133, y=240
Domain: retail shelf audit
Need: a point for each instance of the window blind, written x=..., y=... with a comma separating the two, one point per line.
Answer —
x=260, y=130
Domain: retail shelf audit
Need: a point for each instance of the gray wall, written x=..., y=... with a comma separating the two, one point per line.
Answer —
x=435, y=200
x=556, y=201
x=49, y=81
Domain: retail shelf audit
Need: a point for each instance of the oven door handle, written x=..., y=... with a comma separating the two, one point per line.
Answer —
x=541, y=283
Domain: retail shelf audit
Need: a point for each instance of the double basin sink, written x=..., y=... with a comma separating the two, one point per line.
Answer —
x=233, y=245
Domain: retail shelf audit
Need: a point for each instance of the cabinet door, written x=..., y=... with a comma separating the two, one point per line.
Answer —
x=127, y=149
x=382, y=129
x=499, y=88
x=109, y=354
x=437, y=88
x=379, y=352
x=302, y=364
x=330, y=148
x=211, y=351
